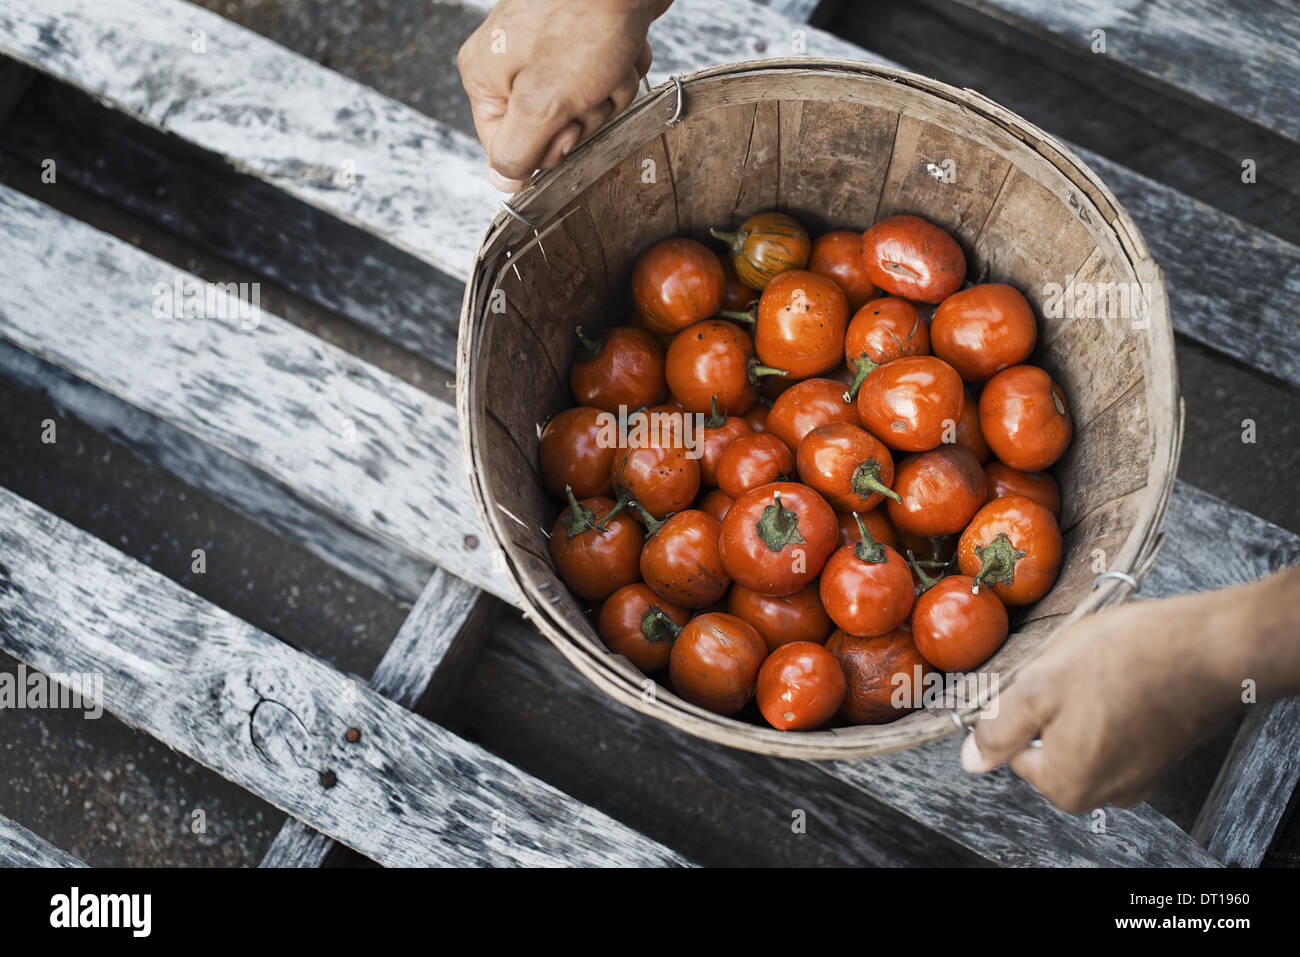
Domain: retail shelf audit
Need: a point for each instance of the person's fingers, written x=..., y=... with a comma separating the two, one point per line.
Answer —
x=561, y=146
x=504, y=184
x=644, y=59
x=1005, y=730
x=593, y=119
x=625, y=92
x=534, y=117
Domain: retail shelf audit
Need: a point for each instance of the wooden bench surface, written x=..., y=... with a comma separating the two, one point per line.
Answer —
x=391, y=506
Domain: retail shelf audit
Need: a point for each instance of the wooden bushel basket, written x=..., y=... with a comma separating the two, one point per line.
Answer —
x=836, y=144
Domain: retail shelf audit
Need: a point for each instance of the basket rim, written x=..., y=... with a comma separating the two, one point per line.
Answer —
x=537, y=203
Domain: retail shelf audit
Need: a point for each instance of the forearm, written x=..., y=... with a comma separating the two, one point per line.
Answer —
x=1262, y=619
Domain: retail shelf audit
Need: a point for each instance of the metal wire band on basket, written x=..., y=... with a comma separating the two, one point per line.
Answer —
x=1125, y=577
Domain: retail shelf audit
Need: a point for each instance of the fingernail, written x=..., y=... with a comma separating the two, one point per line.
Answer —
x=972, y=758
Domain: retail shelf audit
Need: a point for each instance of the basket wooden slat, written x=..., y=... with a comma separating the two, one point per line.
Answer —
x=837, y=144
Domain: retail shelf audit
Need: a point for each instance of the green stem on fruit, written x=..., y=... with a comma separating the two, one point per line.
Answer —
x=997, y=562
x=926, y=581
x=588, y=348
x=657, y=626
x=652, y=524
x=748, y=316
x=757, y=370
x=779, y=526
x=866, y=481
x=735, y=240
x=715, y=419
x=863, y=367
x=868, y=549
x=618, y=507
x=580, y=519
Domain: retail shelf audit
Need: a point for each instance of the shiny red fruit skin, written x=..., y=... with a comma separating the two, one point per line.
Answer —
x=984, y=329
x=884, y=330
x=714, y=662
x=677, y=282
x=838, y=256
x=627, y=371
x=910, y=403
x=758, y=458
x=941, y=491
x=878, y=525
x=831, y=455
x=571, y=453
x=806, y=405
x=866, y=598
x=912, y=258
x=662, y=479
x=781, y=620
x=1025, y=418
x=1039, y=486
x=749, y=560
x=1030, y=528
x=710, y=360
x=957, y=630
x=800, y=687
x=619, y=626
x=802, y=318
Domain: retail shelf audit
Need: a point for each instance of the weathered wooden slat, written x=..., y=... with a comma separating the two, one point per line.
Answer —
x=1243, y=811
x=1236, y=294
x=1243, y=59
x=274, y=720
x=864, y=832
x=1004, y=819
x=429, y=655
x=337, y=433
x=19, y=847
x=1265, y=277
x=1241, y=815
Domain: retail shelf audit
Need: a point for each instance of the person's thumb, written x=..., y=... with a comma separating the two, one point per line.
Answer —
x=1007, y=725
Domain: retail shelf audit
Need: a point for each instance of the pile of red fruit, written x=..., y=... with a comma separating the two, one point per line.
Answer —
x=808, y=472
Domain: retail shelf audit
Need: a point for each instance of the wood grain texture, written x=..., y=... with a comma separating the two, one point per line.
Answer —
x=378, y=453
x=1242, y=59
x=1214, y=296
x=1212, y=545
x=273, y=720
x=214, y=202
x=1232, y=286
x=19, y=847
x=429, y=657
x=1007, y=821
x=1244, y=809
x=860, y=830
x=307, y=131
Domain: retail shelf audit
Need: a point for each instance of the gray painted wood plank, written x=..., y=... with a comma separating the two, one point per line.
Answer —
x=1210, y=300
x=865, y=832
x=273, y=720
x=1242, y=58
x=1232, y=286
x=1244, y=810
x=439, y=638
x=1006, y=820
x=19, y=847
x=312, y=133
x=378, y=453
x=1242, y=813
